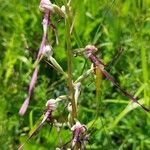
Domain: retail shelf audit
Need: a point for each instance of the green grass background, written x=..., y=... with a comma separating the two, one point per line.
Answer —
x=119, y=125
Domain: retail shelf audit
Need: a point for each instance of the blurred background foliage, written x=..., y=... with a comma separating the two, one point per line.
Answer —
x=114, y=123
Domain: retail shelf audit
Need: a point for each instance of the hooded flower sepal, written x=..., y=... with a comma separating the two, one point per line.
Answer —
x=46, y=6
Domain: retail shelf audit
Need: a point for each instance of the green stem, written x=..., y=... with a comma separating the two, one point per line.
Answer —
x=145, y=74
x=69, y=63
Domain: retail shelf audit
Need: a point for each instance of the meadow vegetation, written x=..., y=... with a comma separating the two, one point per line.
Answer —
x=112, y=120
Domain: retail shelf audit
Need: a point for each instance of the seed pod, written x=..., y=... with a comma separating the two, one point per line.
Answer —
x=84, y=75
x=59, y=10
x=77, y=88
x=56, y=65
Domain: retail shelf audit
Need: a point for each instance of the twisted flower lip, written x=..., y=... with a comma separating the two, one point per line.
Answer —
x=89, y=51
x=47, y=7
x=46, y=22
x=30, y=91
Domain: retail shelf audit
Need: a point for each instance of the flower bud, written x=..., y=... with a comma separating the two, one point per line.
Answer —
x=69, y=107
x=77, y=88
x=63, y=9
x=62, y=97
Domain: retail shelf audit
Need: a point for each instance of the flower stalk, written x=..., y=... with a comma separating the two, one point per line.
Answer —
x=69, y=62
